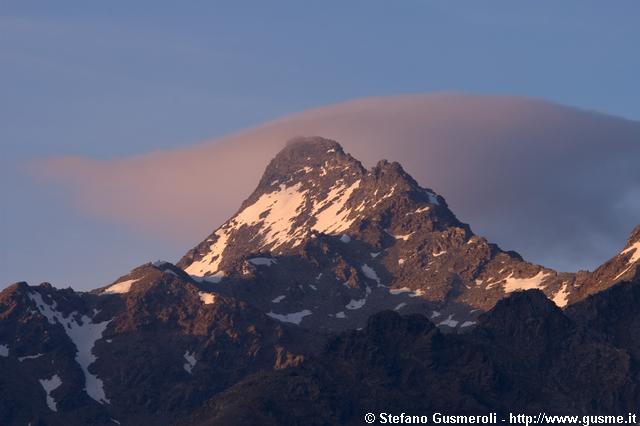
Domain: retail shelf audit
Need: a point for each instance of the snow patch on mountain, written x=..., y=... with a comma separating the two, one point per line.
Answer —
x=83, y=334
x=207, y=298
x=190, y=361
x=294, y=317
x=262, y=261
x=514, y=284
x=419, y=292
x=359, y=303
x=121, y=287
x=635, y=250
x=407, y=291
x=4, y=350
x=370, y=273
x=356, y=304
x=331, y=214
x=210, y=262
x=22, y=358
x=213, y=278
x=276, y=215
x=449, y=322
x=635, y=256
x=403, y=237
x=49, y=385
x=274, y=212
x=562, y=296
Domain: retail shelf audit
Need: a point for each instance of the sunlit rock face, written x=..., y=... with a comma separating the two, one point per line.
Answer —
x=324, y=243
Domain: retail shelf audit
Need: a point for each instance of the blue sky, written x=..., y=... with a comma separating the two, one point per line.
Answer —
x=111, y=79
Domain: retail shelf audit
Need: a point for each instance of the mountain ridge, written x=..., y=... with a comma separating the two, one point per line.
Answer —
x=526, y=355
x=424, y=249
x=322, y=250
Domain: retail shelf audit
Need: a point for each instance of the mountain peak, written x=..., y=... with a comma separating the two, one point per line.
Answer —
x=312, y=145
x=387, y=243
x=313, y=186
x=304, y=155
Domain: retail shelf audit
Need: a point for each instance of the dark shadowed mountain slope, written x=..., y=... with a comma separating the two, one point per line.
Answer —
x=525, y=356
x=138, y=357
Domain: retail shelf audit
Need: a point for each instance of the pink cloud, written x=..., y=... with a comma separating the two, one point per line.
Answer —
x=541, y=178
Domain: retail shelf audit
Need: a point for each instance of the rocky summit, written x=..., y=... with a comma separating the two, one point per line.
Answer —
x=324, y=243
x=333, y=291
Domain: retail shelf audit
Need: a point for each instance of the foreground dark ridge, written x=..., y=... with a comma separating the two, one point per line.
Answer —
x=166, y=359
x=525, y=356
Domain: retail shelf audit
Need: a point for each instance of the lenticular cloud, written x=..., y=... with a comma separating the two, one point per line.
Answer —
x=555, y=183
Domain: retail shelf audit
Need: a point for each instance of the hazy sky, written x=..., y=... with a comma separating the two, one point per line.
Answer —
x=111, y=79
